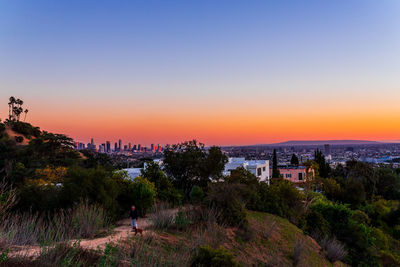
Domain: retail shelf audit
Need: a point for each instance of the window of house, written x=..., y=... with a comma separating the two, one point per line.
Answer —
x=288, y=175
x=300, y=176
x=258, y=171
x=264, y=169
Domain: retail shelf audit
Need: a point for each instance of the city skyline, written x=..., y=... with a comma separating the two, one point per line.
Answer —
x=223, y=73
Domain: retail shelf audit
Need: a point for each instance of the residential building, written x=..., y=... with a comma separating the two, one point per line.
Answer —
x=259, y=168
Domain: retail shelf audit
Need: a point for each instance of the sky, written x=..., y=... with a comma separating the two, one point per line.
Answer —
x=224, y=72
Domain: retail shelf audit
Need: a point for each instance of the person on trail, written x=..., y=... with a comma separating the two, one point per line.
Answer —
x=133, y=214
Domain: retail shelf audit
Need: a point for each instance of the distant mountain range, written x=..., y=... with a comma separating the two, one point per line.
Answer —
x=323, y=142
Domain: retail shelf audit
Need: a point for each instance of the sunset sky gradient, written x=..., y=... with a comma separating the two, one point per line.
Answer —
x=223, y=72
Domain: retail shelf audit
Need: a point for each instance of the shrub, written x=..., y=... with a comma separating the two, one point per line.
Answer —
x=181, y=220
x=335, y=251
x=65, y=254
x=208, y=256
x=387, y=258
x=109, y=257
x=281, y=198
x=381, y=240
x=226, y=199
x=361, y=217
x=19, y=139
x=145, y=193
x=338, y=216
x=162, y=217
x=316, y=224
x=196, y=195
x=87, y=220
x=8, y=198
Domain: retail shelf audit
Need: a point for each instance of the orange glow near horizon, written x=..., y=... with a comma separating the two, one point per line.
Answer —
x=217, y=127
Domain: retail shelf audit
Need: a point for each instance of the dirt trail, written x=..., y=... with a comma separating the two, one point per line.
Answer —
x=122, y=231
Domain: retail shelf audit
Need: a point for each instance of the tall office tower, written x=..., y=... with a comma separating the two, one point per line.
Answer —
x=103, y=147
x=327, y=149
x=100, y=149
x=139, y=147
x=129, y=146
x=119, y=144
x=115, y=147
x=108, y=146
x=152, y=147
x=134, y=147
x=125, y=147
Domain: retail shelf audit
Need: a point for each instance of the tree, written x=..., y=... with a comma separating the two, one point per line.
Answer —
x=275, y=170
x=196, y=195
x=324, y=168
x=249, y=185
x=145, y=193
x=332, y=189
x=294, y=160
x=190, y=164
x=163, y=184
x=15, y=108
x=26, y=112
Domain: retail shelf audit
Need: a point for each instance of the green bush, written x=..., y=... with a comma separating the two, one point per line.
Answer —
x=281, y=198
x=144, y=193
x=181, y=220
x=166, y=191
x=361, y=217
x=196, y=195
x=210, y=257
x=226, y=199
x=388, y=259
x=316, y=225
x=381, y=240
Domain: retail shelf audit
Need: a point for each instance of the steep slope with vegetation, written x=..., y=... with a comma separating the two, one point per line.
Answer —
x=272, y=241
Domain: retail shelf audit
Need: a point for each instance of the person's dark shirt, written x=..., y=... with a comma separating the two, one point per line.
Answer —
x=133, y=214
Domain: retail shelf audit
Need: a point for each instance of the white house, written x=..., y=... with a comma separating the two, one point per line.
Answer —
x=133, y=172
x=259, y=168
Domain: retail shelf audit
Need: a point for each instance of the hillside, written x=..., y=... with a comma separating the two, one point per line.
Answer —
x=271, y=243
x=13, y=135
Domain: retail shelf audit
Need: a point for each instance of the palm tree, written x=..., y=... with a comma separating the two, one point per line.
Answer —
x=11, y=107
x=26, y=111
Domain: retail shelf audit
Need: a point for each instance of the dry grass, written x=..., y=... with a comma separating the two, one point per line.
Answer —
x=8, y=198
x=84, y=221
x=335, y=251
x=161, y=216
x=298, y=250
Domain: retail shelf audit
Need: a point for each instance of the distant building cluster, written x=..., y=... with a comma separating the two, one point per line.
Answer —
x=119, y=147
x=375, y=153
